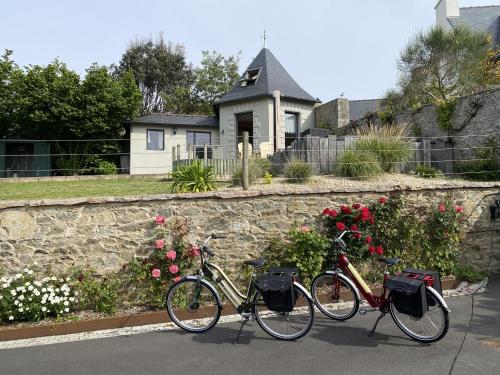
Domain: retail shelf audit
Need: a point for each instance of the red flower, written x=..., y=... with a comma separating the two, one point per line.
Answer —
x=328, y=212
x=441, y=208
x=340, y=225
x=382, y=200
x=379, y=250
x=368, y=239
x=365, y=213
x=80, y=277
x=160, y=220
x=459, y=209
x=354, y=227
x=345, y=209
x=356, y=206
x=177, y=279
x=357, y=235
x=371, y=249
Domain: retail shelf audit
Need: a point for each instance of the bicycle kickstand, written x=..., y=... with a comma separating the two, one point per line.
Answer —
x=370, y=334
x=245, y=321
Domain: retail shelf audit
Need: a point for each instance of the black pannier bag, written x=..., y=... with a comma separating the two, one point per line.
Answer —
x=408, y=295
x=276, y=286
x=432, y=278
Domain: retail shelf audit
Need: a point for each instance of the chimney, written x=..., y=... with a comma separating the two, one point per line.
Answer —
x=444, y=10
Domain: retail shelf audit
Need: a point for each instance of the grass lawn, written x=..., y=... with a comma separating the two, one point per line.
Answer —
x=82, y=188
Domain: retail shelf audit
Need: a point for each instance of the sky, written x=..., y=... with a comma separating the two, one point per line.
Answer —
x=329, y=47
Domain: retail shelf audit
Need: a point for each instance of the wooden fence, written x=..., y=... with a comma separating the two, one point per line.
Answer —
x=221, y=167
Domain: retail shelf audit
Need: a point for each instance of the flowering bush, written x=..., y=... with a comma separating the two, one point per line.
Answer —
x=171, y=257
x=28, y=297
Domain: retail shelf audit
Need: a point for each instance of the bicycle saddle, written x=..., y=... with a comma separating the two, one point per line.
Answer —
x=389, y=261
x=257, y=263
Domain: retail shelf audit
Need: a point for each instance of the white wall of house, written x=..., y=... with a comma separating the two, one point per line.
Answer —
x=262, y=110
x=306, y=118
x=144, y=161
x=445, y=9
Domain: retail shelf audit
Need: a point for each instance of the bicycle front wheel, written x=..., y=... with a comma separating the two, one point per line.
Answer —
x=193, y=305
x=335, y=296
x=431, y=327
x=286, y=325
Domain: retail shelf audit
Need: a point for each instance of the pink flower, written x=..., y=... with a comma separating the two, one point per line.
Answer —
x=441, y=208
x=304, y=228
x=177, y=279
x=159, y=244
x=160, y=220
x=340, y=225
x=193, y=251
x=459, y=209
x=156, y=273
x=379, y=250
x=173, y=269
x=171, y=254
x=382, y=200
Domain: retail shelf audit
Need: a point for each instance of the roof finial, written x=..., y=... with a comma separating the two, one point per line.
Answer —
x=265, y=36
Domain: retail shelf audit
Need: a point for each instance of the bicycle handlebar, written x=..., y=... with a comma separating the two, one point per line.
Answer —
x=205, y=243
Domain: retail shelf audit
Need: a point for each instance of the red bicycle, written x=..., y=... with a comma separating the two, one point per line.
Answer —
x=337, y=295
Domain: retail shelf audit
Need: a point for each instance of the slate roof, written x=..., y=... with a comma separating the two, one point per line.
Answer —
x=273, y=76
x=177, y=119
x=360, y=108
x=481, y=18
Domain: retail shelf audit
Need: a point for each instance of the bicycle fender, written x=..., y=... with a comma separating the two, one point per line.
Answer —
x=348, y=281
x=208, y=284
x=303, y=290
x=438, y=297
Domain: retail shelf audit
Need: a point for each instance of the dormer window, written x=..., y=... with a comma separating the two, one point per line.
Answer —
x=250, y=78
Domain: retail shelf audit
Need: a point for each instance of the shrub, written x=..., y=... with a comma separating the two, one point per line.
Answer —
x=468, y=273
x=261, y=166
x=388, y=143
x=29, y=297
x=426, y=171
x=105, y=167
x=355, y=163
x=297, y=171
x=268, y=178
x=445, y=111
x=254, y=172
x=485, y=168
x=147, y=279
x=99, y=294
x=193, y=178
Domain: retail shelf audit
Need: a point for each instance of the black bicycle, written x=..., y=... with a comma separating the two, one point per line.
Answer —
x=195, y=305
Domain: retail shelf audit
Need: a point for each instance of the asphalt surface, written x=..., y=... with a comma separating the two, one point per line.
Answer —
x=330, y=348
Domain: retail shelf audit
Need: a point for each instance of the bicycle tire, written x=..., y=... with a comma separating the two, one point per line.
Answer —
x=415, y=336
x=322, y=306
x=257, y=301
x=183, y=323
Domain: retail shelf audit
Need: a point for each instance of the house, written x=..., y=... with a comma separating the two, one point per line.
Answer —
x=153, y=138
x=480, y=18
x=24, y=158
x=266, y=102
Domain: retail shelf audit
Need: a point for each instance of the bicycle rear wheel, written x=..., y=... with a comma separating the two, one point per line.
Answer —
x=193, y=305
x=335, y=296
x=431, y=327
x=286, y=325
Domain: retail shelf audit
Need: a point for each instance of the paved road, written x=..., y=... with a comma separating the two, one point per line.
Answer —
x=330, y=348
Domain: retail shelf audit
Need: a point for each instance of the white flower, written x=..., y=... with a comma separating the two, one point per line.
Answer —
x=20, y=304
x=21, y=309
x=44, y=309
x=18, y=276
x=27, y=283
x=16, y=302
x=38, y=283
x=68, y=279
x=30, y=299
x=57, y=290
x=43, y=302
x=76, y=293
x=66, y=309
x=44, y=290
x=30, y=288
x=36, y=292
x=53, y=278
x=35, y=263
x=72, y=299
x=60, y=312
x=13, y=292
x=30, y=272
x=11, y=317
x=21, y=297
x=26, y=270
x=66, y=303
x=1, y=297
x=61, y=280
x=5, y=285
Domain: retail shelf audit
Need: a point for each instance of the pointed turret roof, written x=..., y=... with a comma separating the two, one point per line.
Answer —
x=272, y=76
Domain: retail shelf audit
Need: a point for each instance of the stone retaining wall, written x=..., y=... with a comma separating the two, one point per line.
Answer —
x=104, y=233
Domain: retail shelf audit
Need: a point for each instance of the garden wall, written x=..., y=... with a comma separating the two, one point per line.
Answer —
x=104, y=233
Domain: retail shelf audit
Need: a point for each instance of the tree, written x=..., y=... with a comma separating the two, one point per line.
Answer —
x=216, y=76
x=9, y=80
x=438, y=65
x=158, y=67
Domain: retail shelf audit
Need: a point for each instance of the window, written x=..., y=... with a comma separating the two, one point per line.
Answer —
x=250, y=78
x=200, y=139
x=291, y=128
x=155, y=140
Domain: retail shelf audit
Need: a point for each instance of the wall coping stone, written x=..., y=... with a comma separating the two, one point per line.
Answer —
x=236, y=194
